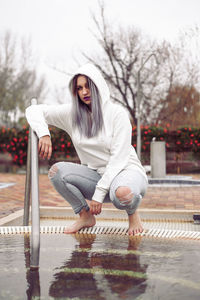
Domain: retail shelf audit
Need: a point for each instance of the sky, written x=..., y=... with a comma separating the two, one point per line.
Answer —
x=60, y=29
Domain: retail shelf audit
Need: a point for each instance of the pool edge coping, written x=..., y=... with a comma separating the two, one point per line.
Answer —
x=107, y=213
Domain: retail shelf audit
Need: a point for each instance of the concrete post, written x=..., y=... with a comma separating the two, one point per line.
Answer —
x=158, y=159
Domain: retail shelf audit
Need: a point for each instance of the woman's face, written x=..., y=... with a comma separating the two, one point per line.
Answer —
x=83, y=90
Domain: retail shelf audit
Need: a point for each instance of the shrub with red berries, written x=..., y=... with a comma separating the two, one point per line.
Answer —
x=14, y=141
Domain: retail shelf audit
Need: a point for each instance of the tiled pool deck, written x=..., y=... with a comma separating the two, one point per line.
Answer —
x=157, y=197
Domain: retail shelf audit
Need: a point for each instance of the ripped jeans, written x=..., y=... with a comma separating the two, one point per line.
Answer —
x=78, y=182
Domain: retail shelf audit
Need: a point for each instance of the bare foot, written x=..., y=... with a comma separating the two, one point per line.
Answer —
x=86, y=220
x=135, y=224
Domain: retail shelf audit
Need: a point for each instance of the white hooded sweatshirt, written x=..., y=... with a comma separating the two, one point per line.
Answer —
x=110, y=151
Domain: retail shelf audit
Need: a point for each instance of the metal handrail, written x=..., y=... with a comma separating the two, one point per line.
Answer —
x=27, y=183
x=32, y=187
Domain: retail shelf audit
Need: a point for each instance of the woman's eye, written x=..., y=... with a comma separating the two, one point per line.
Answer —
x=79, y=88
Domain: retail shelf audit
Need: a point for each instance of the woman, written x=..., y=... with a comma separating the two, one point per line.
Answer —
x=101, y=133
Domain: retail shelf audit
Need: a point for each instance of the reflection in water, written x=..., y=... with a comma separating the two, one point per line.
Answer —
x=100, y=267
x=96, y=275
x=32, y=276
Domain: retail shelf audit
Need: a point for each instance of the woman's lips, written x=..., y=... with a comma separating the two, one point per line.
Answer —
x=86, y=98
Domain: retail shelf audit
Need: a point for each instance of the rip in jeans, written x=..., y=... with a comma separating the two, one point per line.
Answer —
x=126, y=200
x=53, y=171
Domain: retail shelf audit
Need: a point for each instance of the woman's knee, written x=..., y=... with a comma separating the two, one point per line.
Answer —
x=126, y=199
x=124, y=195
x=53, y=171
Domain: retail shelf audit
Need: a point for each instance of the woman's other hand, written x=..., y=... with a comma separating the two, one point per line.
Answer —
x=45, y=147
x=95, y=207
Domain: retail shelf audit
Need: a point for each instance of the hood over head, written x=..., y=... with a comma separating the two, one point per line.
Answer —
x=94, y=74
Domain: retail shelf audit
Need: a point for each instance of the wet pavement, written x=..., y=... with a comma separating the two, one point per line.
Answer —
x=157, y=197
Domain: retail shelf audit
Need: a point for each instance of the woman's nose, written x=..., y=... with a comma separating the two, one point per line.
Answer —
x=85, y=91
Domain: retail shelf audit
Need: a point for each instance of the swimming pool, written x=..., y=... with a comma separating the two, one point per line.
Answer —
x=94, y=266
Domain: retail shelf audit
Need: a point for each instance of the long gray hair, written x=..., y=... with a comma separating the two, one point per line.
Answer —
x=88, y=122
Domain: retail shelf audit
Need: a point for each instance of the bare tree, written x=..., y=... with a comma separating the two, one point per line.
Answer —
x=141, y=72
x=127, y=57
x=182, y=108
x=18, y=78
x=180, y=70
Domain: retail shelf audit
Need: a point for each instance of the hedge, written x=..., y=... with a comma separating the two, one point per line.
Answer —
x=14, y=141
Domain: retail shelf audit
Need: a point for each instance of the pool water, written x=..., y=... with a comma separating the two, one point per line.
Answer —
x=84, y=266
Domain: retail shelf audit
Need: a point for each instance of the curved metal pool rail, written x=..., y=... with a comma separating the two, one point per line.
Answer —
x=153, y=232
x=32, y=187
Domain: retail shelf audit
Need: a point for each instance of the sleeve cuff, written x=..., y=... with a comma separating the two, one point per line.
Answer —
x=42, y=132
x=99, y=195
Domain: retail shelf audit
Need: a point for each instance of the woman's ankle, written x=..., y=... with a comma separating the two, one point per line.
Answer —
x=84, y=213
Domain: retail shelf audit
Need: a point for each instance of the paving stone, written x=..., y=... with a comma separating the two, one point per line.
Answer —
x=12, y=198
